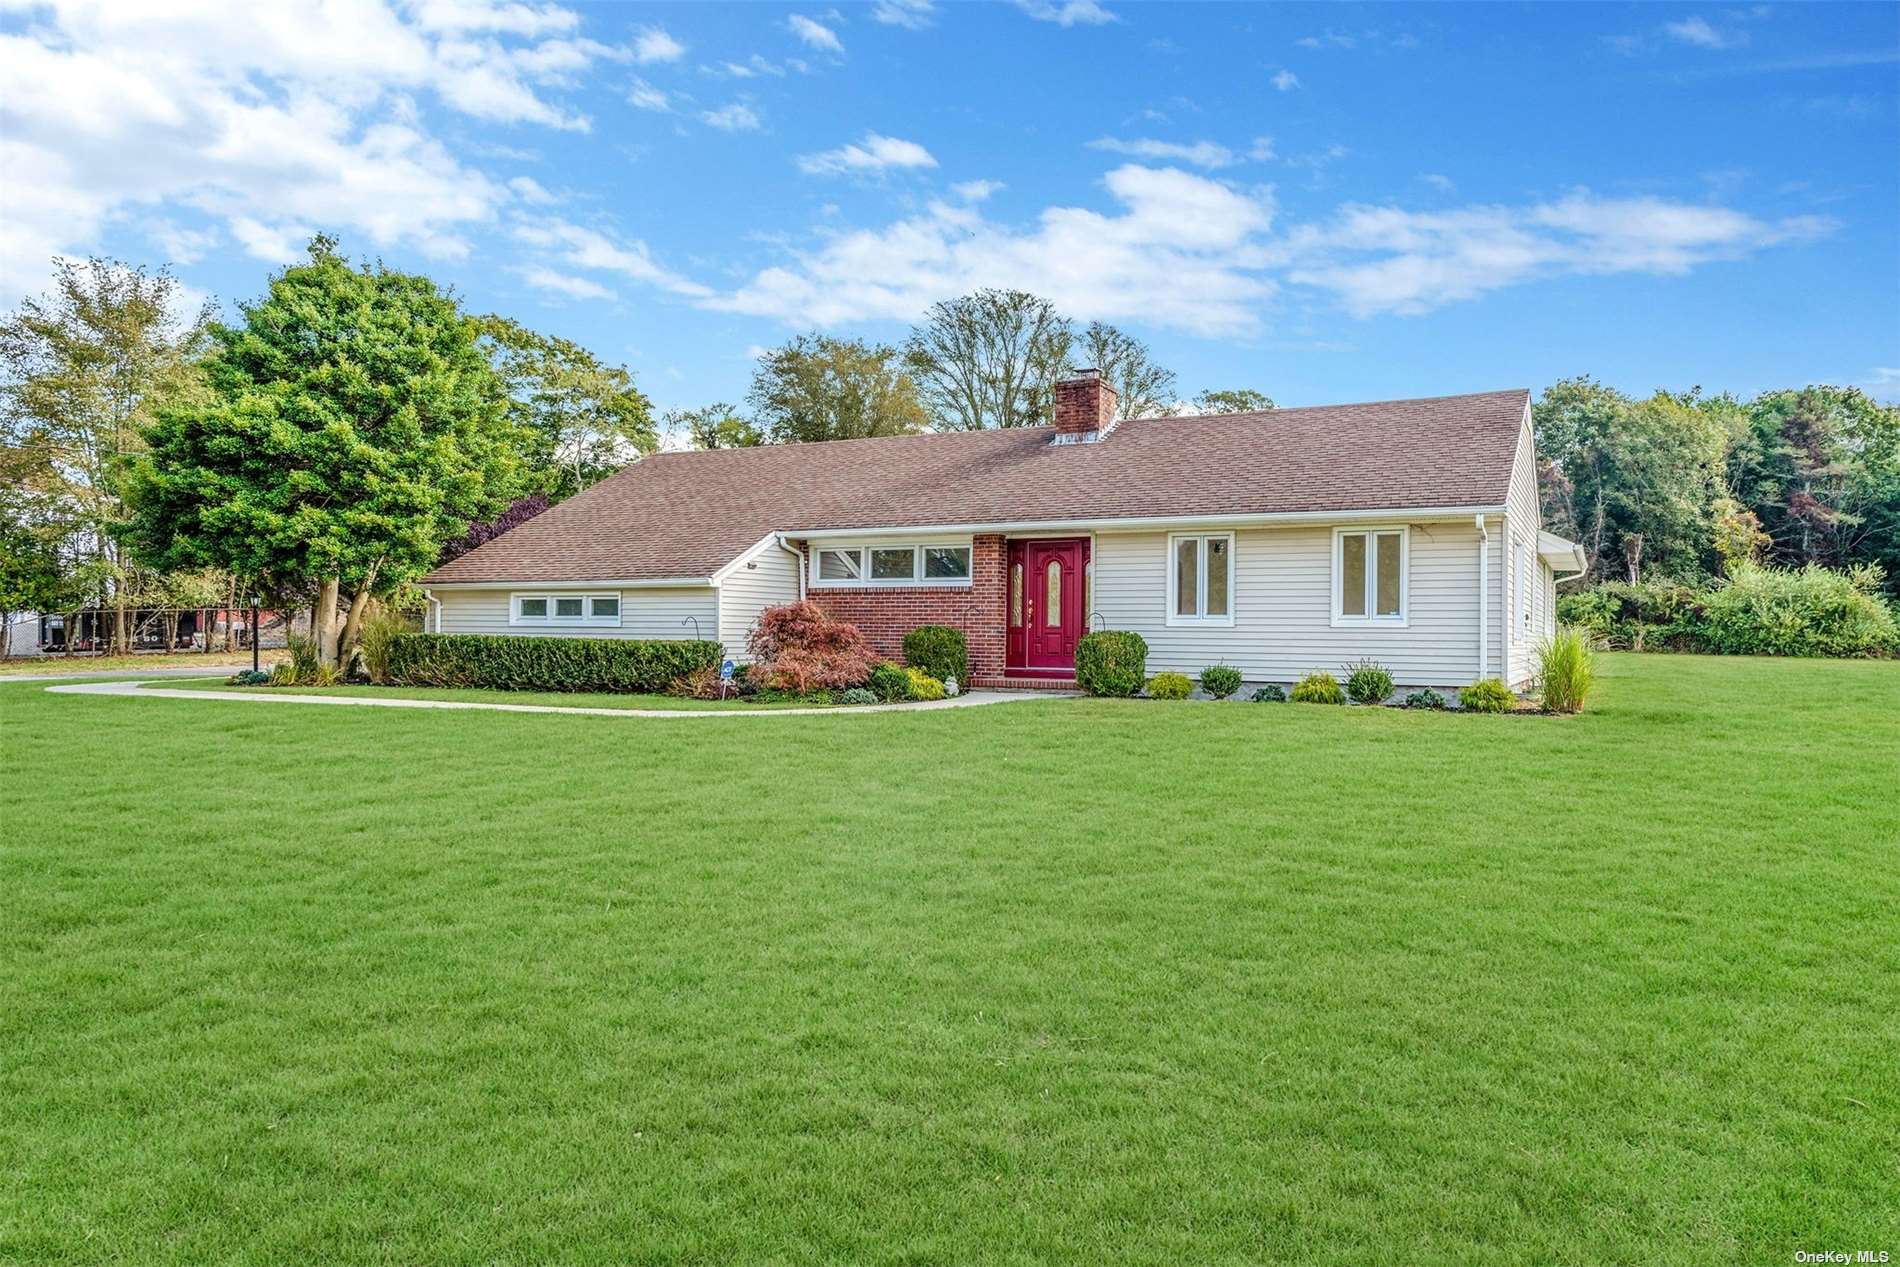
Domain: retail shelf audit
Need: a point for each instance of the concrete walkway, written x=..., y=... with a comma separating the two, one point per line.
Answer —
x=77, y=675
x=970, y=699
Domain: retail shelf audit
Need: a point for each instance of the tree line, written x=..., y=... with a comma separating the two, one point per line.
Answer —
x=1683, y=485
x=984, y=360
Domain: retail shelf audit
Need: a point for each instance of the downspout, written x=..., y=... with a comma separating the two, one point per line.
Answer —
x=1484, y=598
x=432, y=623
x=798, y=555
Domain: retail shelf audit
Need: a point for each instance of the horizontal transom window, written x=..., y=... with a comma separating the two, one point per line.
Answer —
x=892, y=563
x=564, y=609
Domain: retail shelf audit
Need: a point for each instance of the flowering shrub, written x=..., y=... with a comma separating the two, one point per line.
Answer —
x=798, y=647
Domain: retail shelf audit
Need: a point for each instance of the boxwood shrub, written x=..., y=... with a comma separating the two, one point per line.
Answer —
x=1112, y=662
x=503, y=663
x=889, y=682
x=939, y=651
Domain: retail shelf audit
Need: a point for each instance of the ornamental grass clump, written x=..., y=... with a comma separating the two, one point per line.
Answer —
x=1220, y=681
x=1169, y=686
x=1566, y=668
x=1368, y=682
x=1318, y=688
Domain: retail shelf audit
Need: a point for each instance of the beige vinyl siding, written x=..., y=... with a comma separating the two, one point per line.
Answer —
x=767, y=579
x=644, y=613
x=1282, y=604
x=1523, y=519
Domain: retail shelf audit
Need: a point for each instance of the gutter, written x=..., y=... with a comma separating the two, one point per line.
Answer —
x=1388, y=514
x=694, y=582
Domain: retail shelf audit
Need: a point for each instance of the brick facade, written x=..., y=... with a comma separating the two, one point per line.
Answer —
x=886, y=613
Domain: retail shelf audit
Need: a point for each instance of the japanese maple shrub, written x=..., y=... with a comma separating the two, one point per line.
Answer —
x=798, y=647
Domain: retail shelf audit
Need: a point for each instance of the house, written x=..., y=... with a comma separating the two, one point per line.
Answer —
x=1279, y=542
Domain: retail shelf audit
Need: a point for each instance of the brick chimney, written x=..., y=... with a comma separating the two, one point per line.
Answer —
x=1085, y=408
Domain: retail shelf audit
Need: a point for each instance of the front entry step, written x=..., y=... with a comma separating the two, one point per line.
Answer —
x=1007, y=683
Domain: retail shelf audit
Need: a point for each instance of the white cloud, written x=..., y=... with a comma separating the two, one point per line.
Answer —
x=553, y=282
x=874, y=153
x=1384, y=259
x=267, y=121
x=1068, y=13
x=181, y=245
x=653, y=44
x=1443, y=184
x=1199, y=153
x=736, y=117
x=530, y=191
x=1188, y=252
x=752, y=68
x=816, y=34
x=912, y=15
x=644, y=96
x=1261, y=150
x=577, y=246
x=975, y=190
x=1285, y=81
x=1697, y=31
x=1181, y=251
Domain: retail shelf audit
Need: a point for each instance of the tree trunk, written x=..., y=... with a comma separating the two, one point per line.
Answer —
x=323, y=621
x=351, y=623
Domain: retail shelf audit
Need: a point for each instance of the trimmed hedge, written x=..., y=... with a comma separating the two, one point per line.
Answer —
x=1112, y=662
x=504, y=663
x=940, y=651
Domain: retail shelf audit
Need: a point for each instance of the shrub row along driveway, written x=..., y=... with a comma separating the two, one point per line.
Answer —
x=1109, y=980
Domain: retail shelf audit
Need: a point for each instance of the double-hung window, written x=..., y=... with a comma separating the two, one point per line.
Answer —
x=1201, y=579
x=1369, y=576
x=890, y=563
x=564, y=609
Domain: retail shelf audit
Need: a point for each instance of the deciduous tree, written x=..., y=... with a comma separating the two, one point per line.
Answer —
x=716, y=426
x=1238, y=400
x=989, y=359
x=819, y=388
x=1143, y=389
x=582, y=419
x=354, y=426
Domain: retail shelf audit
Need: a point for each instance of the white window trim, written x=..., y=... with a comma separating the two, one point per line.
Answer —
x=550, y=621
x=1369, y=620
x=916, y=579
x=1207, y=622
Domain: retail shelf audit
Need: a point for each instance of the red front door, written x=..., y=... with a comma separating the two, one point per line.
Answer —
x=1046, y=616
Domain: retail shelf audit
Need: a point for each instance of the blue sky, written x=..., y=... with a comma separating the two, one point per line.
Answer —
x=1325, y=202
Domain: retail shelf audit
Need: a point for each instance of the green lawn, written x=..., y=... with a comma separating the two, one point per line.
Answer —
x=1062, y=981
x=560, y=699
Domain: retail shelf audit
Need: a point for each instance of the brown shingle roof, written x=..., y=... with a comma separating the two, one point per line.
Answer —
x=689, y=514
